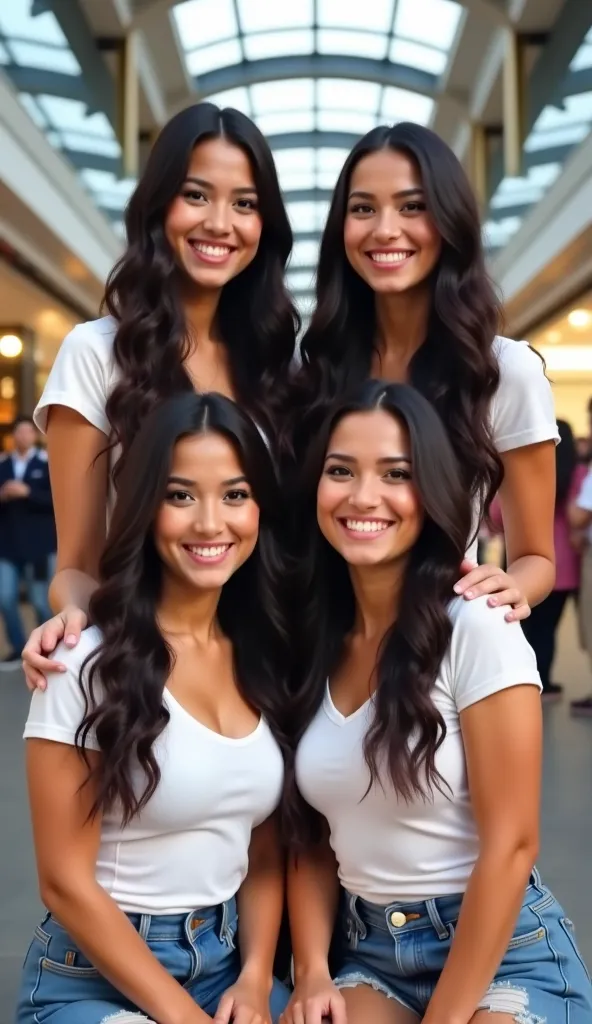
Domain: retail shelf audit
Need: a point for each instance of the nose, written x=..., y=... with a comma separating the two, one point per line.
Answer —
x=365, y=495
x=388, y=229
x=217, y=221
x=208, y=520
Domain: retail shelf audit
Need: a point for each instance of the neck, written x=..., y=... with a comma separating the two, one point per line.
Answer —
x=402, y=322
x=184, y=611
x=21, y=452
x=200, y=307
x=377, y=591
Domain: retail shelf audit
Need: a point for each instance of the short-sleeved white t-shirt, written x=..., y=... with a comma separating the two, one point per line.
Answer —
x=189, y=846
x=386, y=849
x=584, y=499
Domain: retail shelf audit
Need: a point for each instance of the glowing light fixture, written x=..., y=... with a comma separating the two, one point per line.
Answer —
x=11, y=346
x=580, y=317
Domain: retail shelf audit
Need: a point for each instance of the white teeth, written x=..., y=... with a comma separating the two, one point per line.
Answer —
x=211, y=250
x=390, y=257
x=209, y=552
x=365, y=525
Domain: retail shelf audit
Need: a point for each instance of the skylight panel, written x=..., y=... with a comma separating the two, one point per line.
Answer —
x=304, y=254
x=358, y=44
x=71, y=115
x=4, y=56
x=348, y=94
x=33, y=109
x=434, y=22
x=237, y=98
x=274, y=14
x=300, y=280
x=16, y=21
x=307, y=216
x=295, y=159
x=293, y=94
x=497, y=233
x=343, y=121
x=415, y=55
x=200, y=22
x=403, y=105
x=376, y=16
x=49, y=58
x=583, y=58
x=209, y=58
x=78, y=142
x=575, y=109
x=293, y=121
x=261, y=45
x=568, y=135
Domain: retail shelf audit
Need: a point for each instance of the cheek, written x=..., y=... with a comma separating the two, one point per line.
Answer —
x=246, y=524
x=176, y=220
x=354, y=231
x=168, y=525
x=328, y=501
x=430, y=239
x=252, y=231
x=411, y=511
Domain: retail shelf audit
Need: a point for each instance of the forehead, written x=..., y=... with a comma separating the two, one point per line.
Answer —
x=388, y=168
x=370, y=436
x=205, y=456
x=219, y=160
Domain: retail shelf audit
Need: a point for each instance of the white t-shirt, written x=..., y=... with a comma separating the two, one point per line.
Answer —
x=584, y=500
x=84, y=374
x=189, y=846
x=388, y=850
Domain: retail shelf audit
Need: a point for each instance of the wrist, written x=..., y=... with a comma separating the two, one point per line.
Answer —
x=258, y=974
x=316, y=968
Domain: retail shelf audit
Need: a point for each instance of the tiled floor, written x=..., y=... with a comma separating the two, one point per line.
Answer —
x=567, y=817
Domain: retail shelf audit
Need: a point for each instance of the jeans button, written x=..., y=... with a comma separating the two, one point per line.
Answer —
x=398, y=919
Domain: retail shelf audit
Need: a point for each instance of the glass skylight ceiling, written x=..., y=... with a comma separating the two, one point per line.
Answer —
x=556, y=132
x=415, y=35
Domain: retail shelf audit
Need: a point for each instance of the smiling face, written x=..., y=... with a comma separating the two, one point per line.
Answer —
x=214, y=226
x=390, y=239
x=367, y=505
x=208, y=522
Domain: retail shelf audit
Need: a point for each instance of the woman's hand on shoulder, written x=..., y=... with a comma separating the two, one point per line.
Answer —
x=67, y=626
x=315, y=1000
x=479, y=580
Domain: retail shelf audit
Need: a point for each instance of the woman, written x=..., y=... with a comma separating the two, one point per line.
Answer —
x=420, y=751
x=197, y=301
x=541, y=628
x=155, y=764
x=403, y=295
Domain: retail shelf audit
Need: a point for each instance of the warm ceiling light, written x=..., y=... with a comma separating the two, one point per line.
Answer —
x=579, y=317
x=567, y=358
x=553, y=337
x=11, y=346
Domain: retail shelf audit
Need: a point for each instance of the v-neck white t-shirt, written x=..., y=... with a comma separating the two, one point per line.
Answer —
x=189, y=846
x=388, y=850
x=85, y=373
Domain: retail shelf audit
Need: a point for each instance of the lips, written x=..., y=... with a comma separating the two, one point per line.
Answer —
x=389, y=258
x=210, y=252
x=207, y=554
x=365, y=529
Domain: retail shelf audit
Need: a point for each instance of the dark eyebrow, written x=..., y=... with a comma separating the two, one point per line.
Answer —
x=384, y=461
x=247, y=189
x=404, y=194
x=191, y=483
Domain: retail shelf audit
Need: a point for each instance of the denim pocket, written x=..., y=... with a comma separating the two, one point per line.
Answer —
x=568, y=928
x=69, y=970
x=526, y=939
x=62, y=955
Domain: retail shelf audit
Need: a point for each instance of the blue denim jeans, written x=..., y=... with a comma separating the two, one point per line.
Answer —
x=11, y=577
x=400, y=950
x=60, y=986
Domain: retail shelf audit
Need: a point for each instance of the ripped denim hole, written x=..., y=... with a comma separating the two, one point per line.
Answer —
x=502, y=997
x=353, y=980
x=125, y=1017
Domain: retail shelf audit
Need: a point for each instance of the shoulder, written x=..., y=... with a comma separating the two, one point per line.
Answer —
x=516, y=359
x=93, y=335
x=523, y=410
x=75, y=657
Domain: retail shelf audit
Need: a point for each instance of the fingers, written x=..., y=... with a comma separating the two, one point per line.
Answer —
x=519, y=612
x=74, y=621
x=475, y=576
x=225, y=1008
x=337, y=1007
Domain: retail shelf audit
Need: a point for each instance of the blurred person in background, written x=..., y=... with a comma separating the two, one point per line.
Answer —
x=403, y=295
x=580, y=519
x=27, y=534
x=196, y=302
x=541, y=627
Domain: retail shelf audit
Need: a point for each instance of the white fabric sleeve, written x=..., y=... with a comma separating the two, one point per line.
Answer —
x=487, y=654
x=523, y=410
x=79, y=378
x=584, y=498
x=56, y=713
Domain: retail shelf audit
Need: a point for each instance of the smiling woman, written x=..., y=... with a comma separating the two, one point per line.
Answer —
x=196, y=303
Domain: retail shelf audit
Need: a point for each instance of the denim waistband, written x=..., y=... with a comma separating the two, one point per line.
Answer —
x=439, y=912
x=174, y=926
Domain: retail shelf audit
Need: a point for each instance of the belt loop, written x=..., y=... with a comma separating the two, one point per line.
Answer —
x=439, y=927
x=225, y=933
x=144, y=926
x=356, y=929
x=535, y=878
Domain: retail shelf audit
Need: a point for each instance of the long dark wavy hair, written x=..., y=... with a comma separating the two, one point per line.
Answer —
x=456, y=367
x=128, y=672
x=256, y=317
x=413, y=648
x=566, y=460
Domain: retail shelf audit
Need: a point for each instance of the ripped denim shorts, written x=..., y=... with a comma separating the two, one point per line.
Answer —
x=60, y=986
x=400, y=950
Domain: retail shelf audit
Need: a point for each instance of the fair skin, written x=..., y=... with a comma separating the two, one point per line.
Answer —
x=24, y=438
x=213, y=228
x=368, y=476
x=208, y=510
x=394, y=245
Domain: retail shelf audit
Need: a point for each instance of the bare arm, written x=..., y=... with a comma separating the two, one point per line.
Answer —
x=527, y=498
x=502, y=736
x=66, y=846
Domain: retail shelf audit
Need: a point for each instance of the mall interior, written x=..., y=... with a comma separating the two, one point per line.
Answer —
x=85, y=86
